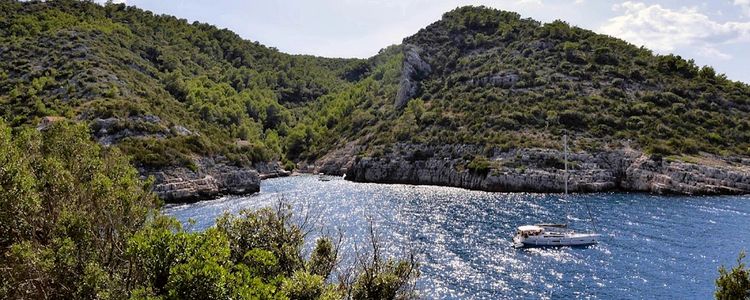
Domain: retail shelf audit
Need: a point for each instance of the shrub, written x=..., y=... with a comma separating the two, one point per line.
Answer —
x=200, y=271
x=305, y=286
x=67, y=213
x=479, y=164
x=289, y=165
x=381, y=278
x=572, y=118
x=734, y=283
x=604, y=56
x=266, y=229
x=323, y=258
x=659, y=149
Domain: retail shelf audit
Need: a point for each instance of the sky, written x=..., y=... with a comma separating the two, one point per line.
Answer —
x=715, y=33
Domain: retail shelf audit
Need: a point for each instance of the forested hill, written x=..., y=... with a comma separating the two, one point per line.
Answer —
x=489, y=77
x=167, y=91
x=159, y=87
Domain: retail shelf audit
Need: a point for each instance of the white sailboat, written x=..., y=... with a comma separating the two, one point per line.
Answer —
x=542, y=235
x=553, y=235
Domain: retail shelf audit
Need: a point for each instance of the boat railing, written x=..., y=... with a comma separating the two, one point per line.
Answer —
x=553, y=225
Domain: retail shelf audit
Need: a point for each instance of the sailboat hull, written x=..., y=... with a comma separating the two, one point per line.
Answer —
x=556, y=240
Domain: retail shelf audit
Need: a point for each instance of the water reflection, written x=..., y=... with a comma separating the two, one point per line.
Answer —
x=651, y=246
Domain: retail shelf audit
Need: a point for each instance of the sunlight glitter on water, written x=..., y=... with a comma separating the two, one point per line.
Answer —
x=651, y=246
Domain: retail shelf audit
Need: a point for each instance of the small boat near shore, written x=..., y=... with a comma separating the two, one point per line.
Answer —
x=324, y=177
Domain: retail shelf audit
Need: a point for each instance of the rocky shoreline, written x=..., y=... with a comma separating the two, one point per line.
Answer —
x=541, y=170
x=518, y=170
x=212, y=178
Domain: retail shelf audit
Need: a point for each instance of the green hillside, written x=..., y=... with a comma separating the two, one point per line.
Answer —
x=498, y=80
x=84, y=61
x=166, y=91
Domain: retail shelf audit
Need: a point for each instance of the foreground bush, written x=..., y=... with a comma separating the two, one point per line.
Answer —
x=67, y=210
x=76, y=222
x=734, y=283
x=380, y=278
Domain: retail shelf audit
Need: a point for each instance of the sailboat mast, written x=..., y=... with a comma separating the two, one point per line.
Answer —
x=565, y=149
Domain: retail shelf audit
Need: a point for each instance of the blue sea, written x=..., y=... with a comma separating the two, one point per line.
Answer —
x=652, y=247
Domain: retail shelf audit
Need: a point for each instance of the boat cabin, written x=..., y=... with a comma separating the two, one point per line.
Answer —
x=530, y=230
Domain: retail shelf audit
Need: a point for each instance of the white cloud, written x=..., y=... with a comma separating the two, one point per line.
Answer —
x=711, y=52
x=530, y=2
x=665, y=30
x=744, y=5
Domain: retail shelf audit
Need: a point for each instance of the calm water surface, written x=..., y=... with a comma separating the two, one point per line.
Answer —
x=651, y=246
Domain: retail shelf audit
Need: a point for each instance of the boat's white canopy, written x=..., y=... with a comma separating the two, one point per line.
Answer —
x=530, y=228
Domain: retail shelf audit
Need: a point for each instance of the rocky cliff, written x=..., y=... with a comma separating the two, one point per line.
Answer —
x=542, y=170
x=413, y=70
x=210, y=179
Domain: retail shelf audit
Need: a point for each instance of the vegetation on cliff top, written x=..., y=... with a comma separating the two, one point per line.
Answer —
x=164, y=90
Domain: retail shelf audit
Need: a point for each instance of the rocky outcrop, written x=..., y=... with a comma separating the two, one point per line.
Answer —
x=542, y=170
x=210, y=179
x=414, y=68
x=110, y=131
x=645, y=174
x=270, y=170
x=113, y=130
x=338, y=161
x=503, y=80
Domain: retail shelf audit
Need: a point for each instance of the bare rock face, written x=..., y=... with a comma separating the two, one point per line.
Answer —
x=181, y=131
x=113, y=130
x=541, y=170
x=177, y=189
x=212, y=178
x=504, y=80
x=686, y=178
x=413, y=70
x=271, y=169
x=338, y=161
